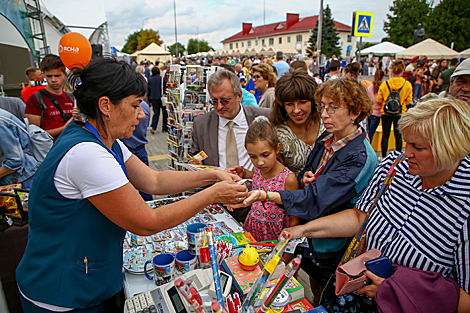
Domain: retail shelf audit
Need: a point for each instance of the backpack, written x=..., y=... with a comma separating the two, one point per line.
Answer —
x=392, y=105
x=43, y=106
x=41, y=140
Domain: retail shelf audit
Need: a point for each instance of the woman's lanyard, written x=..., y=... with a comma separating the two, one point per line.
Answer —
x=95, y=133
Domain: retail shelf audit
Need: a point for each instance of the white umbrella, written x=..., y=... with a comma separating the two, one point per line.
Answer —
x=383, y=48
x=429, y=48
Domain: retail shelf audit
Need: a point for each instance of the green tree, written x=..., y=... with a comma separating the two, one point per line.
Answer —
x=404, y=18
x=330, y=37
x=141, y=39
x=172, y=49
x=193, y=46
x=448, y=23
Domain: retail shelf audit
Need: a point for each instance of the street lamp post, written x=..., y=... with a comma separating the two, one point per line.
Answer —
x=147, y=18
x=197, y=27
x=176, y=32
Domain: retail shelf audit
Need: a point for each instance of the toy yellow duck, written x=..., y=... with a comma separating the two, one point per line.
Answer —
x=249, y=258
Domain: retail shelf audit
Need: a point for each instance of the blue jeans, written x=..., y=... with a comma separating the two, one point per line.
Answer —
x=141, y=153
x=374, y=122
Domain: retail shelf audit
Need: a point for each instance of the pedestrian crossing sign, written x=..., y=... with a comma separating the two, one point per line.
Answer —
x=362, y=24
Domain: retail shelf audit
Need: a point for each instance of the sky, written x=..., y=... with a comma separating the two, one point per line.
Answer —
x=214, y=20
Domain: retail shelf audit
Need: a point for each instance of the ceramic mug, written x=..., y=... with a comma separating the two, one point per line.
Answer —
x=163, y=268
x=192, y=230
x=185, y=262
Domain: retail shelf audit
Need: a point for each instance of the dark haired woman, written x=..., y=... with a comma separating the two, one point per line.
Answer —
x=338, y=169
x=156, y=90
x=85, y=196
x=296, y=120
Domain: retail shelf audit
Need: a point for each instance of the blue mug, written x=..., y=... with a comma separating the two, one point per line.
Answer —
x=163, y=268
x=185, y=262
x=192, y=230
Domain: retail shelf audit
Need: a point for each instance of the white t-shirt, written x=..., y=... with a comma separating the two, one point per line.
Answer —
x=88, y=169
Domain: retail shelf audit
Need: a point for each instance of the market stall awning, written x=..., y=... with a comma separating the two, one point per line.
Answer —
x=383, y=48
x=465, y=54
x=430, y=49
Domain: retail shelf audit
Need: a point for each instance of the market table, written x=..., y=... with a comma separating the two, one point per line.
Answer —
x=138, y=283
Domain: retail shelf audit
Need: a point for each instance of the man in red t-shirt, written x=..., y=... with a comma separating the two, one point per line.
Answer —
x=36, y=79
x=52, y=120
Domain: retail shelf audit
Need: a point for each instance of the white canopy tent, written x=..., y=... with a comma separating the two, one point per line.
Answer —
x=153, y=52
x=465, y=53
x=383, y=49
x=429, y=48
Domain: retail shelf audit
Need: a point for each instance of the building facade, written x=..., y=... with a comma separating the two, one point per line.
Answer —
x=290, y=36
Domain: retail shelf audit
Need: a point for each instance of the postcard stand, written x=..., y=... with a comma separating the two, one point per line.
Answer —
x=186, y=98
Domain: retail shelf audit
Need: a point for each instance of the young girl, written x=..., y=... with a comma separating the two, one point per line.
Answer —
x=266, y=220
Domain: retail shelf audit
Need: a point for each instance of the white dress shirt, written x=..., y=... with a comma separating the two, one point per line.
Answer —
x=240, y=127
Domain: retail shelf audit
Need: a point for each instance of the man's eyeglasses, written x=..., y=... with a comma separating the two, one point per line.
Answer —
x=329, y=110
x=223, y=101
x=255, y=77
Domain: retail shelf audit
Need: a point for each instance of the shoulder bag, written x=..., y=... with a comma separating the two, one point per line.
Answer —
x=344, y=283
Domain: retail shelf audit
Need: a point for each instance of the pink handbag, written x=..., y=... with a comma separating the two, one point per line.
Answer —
x=351, y=275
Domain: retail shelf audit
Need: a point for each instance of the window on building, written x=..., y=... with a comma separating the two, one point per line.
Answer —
x=280, y=40
x=298, y=38
x=271, y=41
x=248, y=44
x=231, y=46
x=262, y=42
x=348, y=53
x=236, y=45
x=256, y=42
x=288, y=39
x=243, y=44
x=349, y=38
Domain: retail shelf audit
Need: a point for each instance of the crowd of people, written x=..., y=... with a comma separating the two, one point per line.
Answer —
x=304, y=141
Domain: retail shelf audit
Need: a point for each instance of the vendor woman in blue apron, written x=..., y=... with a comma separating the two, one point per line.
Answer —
x=85, y=196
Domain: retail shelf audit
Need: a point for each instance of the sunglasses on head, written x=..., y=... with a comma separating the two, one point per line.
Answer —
x=255, y=77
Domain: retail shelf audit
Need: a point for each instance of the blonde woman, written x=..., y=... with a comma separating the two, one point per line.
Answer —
x=265, y=80
x=422, y=221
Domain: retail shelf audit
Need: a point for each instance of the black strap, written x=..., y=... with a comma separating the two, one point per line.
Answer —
x=64, y=115
x=389, y=90
x=42, y=105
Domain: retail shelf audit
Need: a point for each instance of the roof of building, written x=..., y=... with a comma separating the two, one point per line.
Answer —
x=292, y=24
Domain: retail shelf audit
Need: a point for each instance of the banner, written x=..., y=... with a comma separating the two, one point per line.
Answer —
x=15, y=11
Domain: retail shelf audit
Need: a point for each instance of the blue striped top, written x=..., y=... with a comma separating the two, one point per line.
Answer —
x=424, y=229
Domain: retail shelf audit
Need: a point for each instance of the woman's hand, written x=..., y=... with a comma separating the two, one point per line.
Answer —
x=295, y=232
x=228, y=192
x=237, y=170
x=252, y=197
x=226, y=176
x=309, y=177
x=195, y=162
x=371, y=290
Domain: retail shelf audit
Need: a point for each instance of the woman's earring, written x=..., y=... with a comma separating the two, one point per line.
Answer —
x=108, y=117
x=352, y=122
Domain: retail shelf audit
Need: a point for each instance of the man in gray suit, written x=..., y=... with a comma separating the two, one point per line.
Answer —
x=210, y=130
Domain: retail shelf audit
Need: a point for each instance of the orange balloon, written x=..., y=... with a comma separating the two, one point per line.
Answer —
x=74, y=50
